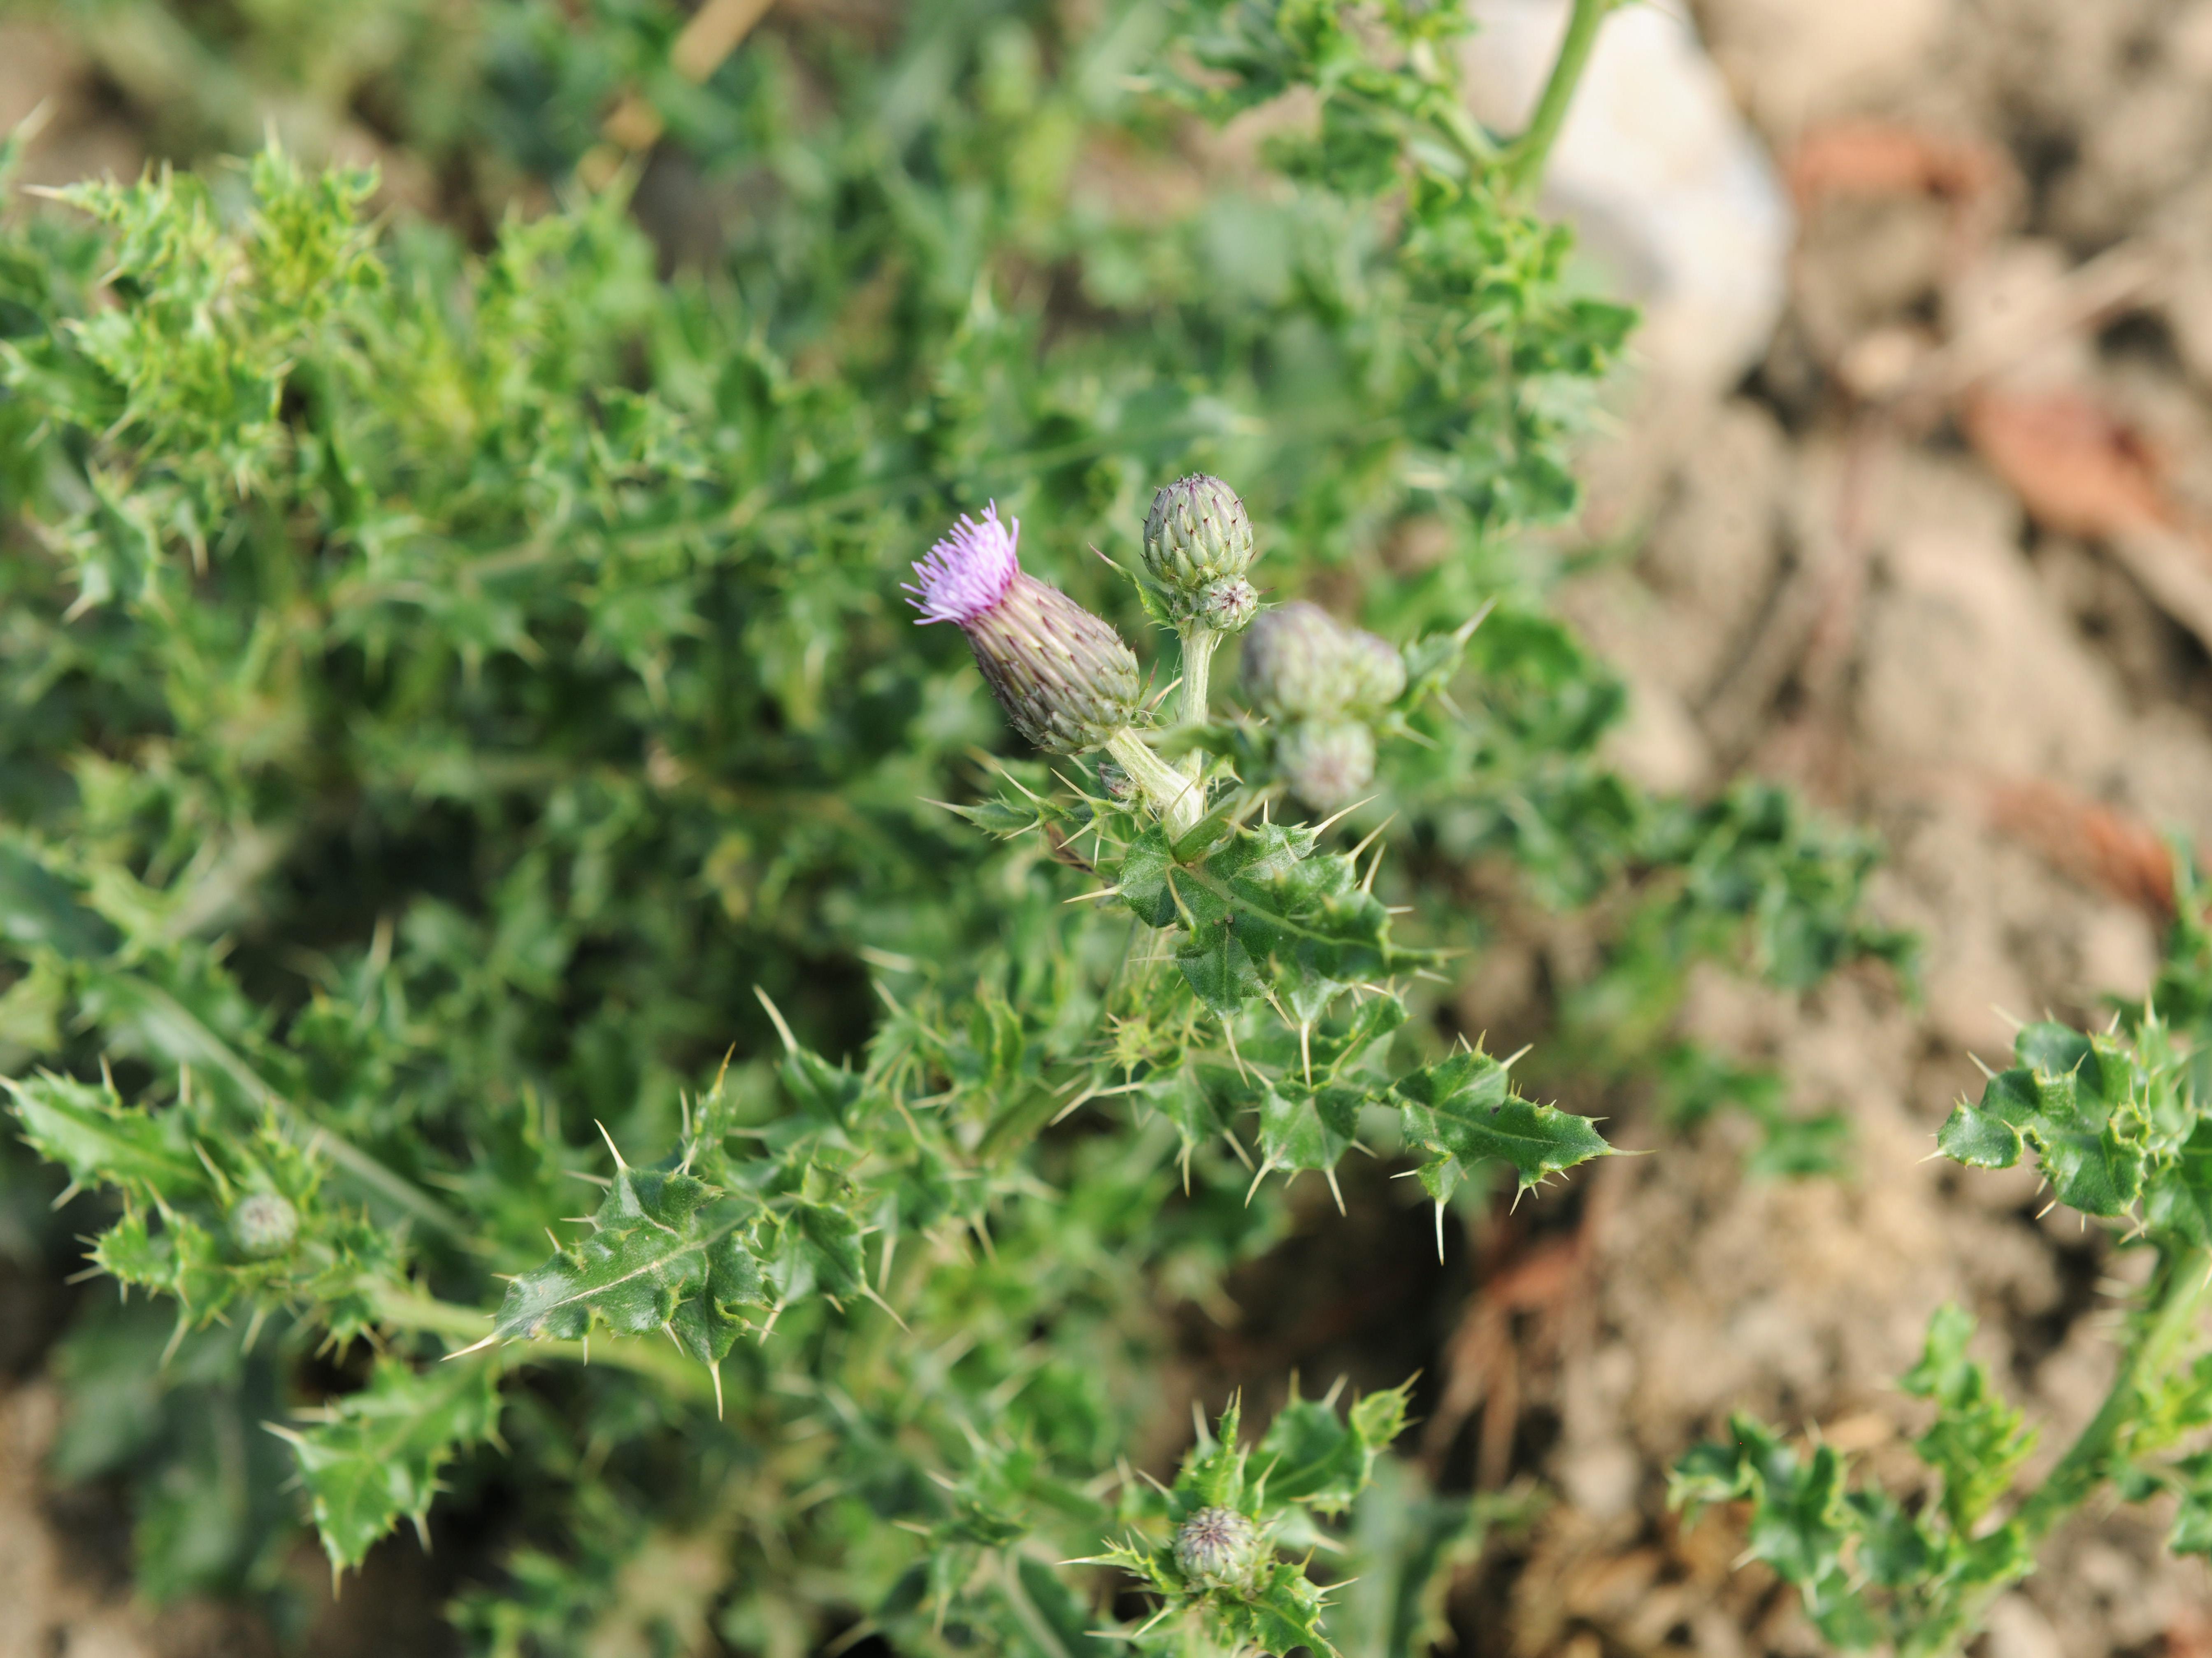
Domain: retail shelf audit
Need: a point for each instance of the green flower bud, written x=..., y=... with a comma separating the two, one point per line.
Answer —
x=264, y=1224
x=1063, y=676
x=1219, y=1549
x=1227, y=606
x=1327, y=762
x=1300, y=662
x=1195, y=534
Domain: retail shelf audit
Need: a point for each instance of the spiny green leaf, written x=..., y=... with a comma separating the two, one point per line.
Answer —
x=374, y=1459
x=2081, y=1121
x=1977, y=1442
x=38, y=909
x=1218, y=969
x=102, y=1141
x=1284, y=1615
x=1311, y=1455
x=2192, y=1519
x=1462, y=1112
x=1300, y=1129
x=666, y=1251
x=1007, y=819
x=1142, y=878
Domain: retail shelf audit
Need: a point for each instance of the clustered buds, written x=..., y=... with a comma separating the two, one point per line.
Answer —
x=1326, y=681
x=1301, y=663
x=1219, y=1549
x=1068, y=682
x=264, y=1224
x=1198, y=544
x=1065, y=678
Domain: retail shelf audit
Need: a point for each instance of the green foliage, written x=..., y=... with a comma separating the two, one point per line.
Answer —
x=2115, y=1123
x=463, y=720
x=1872, y=1571
x=1310, y=1463
x=374, y=1459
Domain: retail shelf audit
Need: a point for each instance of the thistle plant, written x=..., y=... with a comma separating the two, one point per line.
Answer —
x=479, y=955
x=2118, y=1124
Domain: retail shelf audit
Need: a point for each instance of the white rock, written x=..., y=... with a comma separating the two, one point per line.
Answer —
x=1660, y=175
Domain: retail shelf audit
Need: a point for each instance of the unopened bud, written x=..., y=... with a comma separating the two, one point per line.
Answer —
x=1196, y=534
x=1219, y=1549
x=1327, y=762
x=1065, y=678
x=1227, y=606
x=1301, y=662
x=264, y=1224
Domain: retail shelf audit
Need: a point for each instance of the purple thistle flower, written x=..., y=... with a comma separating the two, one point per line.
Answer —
x=968, y=571
x=1065, y=678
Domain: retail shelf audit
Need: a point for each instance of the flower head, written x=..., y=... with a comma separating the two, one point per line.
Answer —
x=1065, y=678
x=1197, y=532
x=969, y=571
x=1227, y=606
x=1219, y=1549
x=264, y=1224
x=1300, y=662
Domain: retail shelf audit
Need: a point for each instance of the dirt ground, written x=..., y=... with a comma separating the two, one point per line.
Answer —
x=1941, y=563
x=1944, y=562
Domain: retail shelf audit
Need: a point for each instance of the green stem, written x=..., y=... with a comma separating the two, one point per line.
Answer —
x=1198, y=643
x=1177, y=798
x=2177, y=1301
x=1525, y=158
x=2178, y=1295
x=1198, y=646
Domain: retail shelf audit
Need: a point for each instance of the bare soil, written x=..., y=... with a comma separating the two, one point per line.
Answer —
x=1935, y=564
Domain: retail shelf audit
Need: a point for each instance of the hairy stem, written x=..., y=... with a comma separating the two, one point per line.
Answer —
x=2179, y=1291
x=1197, y=644
x=1178, y=797
x=1525, y=158
x=2177, y=1301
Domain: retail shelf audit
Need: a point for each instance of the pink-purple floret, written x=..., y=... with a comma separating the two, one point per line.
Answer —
x=969, y=572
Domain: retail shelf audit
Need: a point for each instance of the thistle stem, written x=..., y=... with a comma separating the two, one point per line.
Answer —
x=1198, y=643
x=2178, y=1292
x=1178, y=799
x=2177, y=1301
x=1525, y=157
